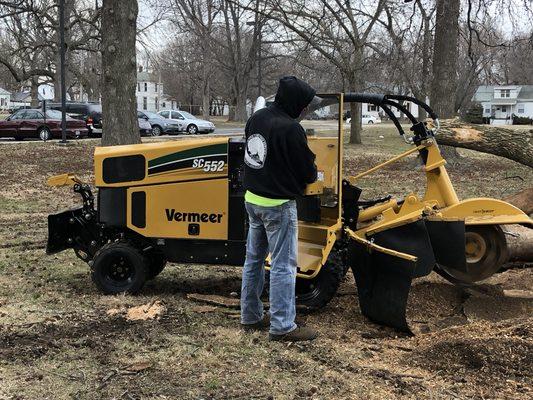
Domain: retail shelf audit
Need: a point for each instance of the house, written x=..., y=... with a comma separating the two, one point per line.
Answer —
x=149, y=90
x=5, y=100
x=500, y=103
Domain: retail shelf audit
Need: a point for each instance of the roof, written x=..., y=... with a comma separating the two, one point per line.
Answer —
x=25, y=97
x=486, y=94
x=145, y=76
x=4, y=92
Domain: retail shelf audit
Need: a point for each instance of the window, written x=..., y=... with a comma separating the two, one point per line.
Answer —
x=487, y=110
x=176, y=115
x=520, y=109
x=19, y=115
x=33, y=115
x=145, y=103
x=145, y=86
x=505, y=93
x=155, y=87
x=164, y=105
x=372, y=107
x=504, y=108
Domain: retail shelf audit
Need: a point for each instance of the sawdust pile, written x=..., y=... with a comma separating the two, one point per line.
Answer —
x=152, y=310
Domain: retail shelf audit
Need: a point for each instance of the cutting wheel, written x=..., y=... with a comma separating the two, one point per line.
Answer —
x=486, y=252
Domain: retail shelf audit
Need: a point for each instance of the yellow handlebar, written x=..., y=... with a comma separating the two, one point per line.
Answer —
x=63, y=180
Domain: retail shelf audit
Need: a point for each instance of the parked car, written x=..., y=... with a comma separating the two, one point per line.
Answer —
x=188, y=122
x=367, y=120
x=145, y=129
x=33, y=123
x=91, y=113
x=159, y=124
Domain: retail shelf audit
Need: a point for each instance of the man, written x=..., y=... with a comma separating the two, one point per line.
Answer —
x=278, y=166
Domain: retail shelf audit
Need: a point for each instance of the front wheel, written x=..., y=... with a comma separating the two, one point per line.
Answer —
x=119, y=267
x=192, y=129
x=156, y=131
x=44, y=134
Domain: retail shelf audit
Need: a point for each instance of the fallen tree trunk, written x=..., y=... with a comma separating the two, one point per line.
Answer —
x=516, y=145
x=523, y=200
x=519, y=242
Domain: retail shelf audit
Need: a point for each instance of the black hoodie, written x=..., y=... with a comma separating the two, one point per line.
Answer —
x=278, y=161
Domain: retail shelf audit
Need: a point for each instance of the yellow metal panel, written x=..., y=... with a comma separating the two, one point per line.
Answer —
x=483, y=211
x=171, y=207
x=173, y=154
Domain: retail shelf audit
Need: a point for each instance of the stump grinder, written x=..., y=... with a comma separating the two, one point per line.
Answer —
x=182, y=201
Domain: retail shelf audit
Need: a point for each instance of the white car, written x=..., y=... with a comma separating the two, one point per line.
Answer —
x=188, y=122
x=367, y=120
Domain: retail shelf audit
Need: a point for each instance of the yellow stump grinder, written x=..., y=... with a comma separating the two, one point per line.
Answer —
x=183, y=201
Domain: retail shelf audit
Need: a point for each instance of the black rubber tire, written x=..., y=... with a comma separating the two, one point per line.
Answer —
x=104, y=265
x=316, y=293
x=44, y=134
x=156, y=130
x=156, y=265
x=192, y=129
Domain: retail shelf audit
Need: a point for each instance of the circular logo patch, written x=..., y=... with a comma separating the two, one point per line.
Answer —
x=256, y=151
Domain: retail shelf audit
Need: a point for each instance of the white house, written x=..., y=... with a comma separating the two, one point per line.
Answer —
x=5, y=99
x=501, y=102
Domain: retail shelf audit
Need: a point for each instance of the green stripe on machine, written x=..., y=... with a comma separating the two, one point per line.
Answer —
x=195, y=152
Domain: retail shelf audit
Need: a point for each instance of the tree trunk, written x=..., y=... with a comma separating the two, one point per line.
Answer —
x=523, y=200
x=34, y=93
x=511, y=144
x=519, y=242
x=445, y=53
x=119, y=27
x=355, y=85
x=205, y=98
x=356, y=127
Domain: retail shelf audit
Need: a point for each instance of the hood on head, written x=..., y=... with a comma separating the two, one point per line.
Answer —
x=293, y=95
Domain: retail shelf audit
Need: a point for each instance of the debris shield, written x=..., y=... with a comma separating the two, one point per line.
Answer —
x=384, y=266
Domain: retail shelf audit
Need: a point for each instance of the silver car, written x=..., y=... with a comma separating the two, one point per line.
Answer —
x=188, y=122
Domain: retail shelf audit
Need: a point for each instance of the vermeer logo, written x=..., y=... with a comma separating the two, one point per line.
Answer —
x=172, y=215
x=483, y=211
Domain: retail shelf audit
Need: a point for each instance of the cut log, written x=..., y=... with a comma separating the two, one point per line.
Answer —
x=519, y=242
x=516, y=145
x=523, y=200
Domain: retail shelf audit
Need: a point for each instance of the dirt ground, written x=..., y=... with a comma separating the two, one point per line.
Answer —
x=61, y=339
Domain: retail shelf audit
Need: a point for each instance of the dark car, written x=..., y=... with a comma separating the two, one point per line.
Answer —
x=33, y=123
x=91, y=113
x=159, y=124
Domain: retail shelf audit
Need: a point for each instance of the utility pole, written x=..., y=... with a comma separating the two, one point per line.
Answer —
x=62, y=74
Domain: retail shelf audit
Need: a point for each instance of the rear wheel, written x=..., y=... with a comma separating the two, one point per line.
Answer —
x=44, y=134
x=119, y=267
x=486, y=252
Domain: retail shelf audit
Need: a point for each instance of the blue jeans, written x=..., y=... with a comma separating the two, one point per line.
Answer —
x=272, y=230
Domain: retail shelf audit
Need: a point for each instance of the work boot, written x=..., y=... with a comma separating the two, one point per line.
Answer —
x=301, y=333
x=258, y=326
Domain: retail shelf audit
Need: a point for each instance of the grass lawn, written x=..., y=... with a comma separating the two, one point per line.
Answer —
x=61, y=339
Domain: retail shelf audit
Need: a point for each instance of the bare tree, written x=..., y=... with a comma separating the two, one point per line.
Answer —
x=340, y=31
x=119, y=66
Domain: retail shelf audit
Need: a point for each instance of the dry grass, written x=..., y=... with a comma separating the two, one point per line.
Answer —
x=58, y=340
